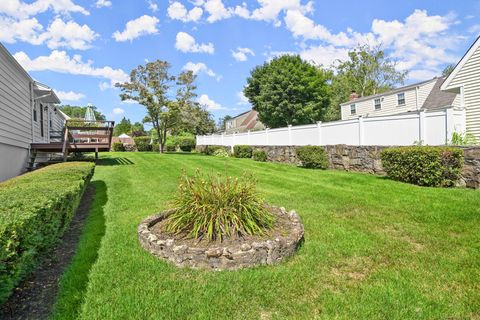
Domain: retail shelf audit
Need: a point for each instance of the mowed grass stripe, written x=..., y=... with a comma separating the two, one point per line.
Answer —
x=374, y=249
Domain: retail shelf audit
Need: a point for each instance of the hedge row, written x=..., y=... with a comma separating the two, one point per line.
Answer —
x=424, y=166
x=35, y=210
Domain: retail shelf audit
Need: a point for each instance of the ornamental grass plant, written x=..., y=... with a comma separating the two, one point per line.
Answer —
x=215, y=207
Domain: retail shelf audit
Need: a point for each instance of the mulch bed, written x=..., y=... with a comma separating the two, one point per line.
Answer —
x=35, y=296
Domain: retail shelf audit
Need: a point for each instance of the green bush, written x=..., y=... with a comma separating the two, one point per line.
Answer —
x=259, y=155
x=214, y=208
x=312, y=157
x=242, y=151
x=466, y=139
x=143, y=143
x=35, y=210
x=424, y=166
x=186, y=142
x=155, y=147
x=210, y=150
x=222, y=153
x=118, y=146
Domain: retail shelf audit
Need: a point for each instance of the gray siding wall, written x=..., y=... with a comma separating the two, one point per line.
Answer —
x=12, y=161
x=469, y=78
x=15, y=113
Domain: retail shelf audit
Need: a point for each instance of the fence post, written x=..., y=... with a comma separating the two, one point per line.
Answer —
x=449, y=125
x=422, y=127
x=319, y=132
x=289, y=134
x=361, y=138
x=248, y=137
x=266, y=136
x=233, y=142
x=222, y=139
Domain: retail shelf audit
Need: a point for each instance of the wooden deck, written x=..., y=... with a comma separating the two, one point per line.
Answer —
x=80, y=136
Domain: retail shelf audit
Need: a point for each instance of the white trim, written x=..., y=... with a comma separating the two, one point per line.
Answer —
x=460, y=65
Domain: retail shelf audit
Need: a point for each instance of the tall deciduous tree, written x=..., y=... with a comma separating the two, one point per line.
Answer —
x=367, y=71
x=288, y=91
x=124, y=126
x=149, y=86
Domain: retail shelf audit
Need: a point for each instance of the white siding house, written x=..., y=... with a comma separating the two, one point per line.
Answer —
x=404, y=99
x=27, y=114
x=465, y=81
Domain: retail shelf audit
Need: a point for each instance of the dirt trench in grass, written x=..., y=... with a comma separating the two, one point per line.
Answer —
x=35, y=296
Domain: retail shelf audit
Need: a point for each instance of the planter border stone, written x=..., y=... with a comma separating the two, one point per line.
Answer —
x=222, y=256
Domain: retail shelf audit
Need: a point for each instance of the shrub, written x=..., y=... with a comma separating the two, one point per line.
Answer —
x=143, y=143
x=242, y=151
x=259, y=155
x=312, y=157
x=424, y=166
x=210, y=150
x=35, y=210
x=186, y=142
x=221, y=153
x=214, y=208
x=118, y=146
x=155, y=147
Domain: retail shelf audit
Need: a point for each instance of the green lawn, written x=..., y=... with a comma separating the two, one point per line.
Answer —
x=374, y=249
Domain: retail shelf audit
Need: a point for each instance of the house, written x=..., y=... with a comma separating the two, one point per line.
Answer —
x=246, y=121
x=32, y=129
x=465, y=82
x=459, y=91
x=424, y=95
x=27, y=114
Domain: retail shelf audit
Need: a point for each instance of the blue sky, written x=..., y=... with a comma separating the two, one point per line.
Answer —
x=81, y=47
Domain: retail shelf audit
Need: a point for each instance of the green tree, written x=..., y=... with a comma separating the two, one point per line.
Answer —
x=367, y=71
x=138, y=130
x=288, y=91
x=222, y=122
x=152, y=86
x=79, y=112
x=123, y=127
x=447, y=70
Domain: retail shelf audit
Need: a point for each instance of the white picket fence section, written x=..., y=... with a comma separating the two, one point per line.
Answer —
x=430, y=128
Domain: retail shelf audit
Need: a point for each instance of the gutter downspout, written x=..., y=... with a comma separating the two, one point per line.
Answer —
x=32, y=106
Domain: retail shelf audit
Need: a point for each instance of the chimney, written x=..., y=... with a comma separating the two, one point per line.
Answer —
x=353, y=95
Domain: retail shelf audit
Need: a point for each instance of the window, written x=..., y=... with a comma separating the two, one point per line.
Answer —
x=353, y=109
x=50, y=121
x=378, y=104
x=35, y=113
x=401, y=99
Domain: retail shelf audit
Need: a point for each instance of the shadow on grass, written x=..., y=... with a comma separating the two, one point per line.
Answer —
x=114, y=162
x=74, y=281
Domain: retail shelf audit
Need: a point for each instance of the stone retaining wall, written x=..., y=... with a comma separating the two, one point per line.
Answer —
x=221, y=256
x=367, y=159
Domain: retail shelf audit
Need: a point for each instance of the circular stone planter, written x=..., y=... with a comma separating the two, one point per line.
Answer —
x=230, y=255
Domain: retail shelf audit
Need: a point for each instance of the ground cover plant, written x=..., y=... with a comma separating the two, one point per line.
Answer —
x=35, y=209
x=375, y=249
x=424, y=166
x=215, y=207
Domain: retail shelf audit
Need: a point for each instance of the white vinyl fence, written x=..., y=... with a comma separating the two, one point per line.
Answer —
x=429, y=128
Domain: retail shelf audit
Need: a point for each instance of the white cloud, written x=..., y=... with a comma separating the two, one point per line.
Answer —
x=69, y=95
x=208, y=103
x=270, y=9
x=103, y=3
x=104, y=86
x=118, y=111
x=22, y=10
x=138, y=27
x=324, y=55
x=200, y=67
x=241, y=54
x=59, y=34
x=242, y=100
x=187, y=43
x=152, y=5
x=128, y=101
x=60, y=61
x=217, y=10
x=475, y=29
x=69, y=35
x=177, y=11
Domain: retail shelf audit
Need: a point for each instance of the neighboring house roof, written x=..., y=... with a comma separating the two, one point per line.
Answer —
x=239, y=115
x=460, y=64
x=123, y=135
x=393, y=91
x=437, y=98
